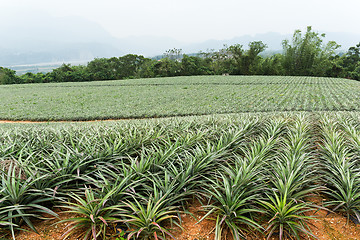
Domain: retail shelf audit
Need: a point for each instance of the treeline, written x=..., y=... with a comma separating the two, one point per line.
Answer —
x=305, y=55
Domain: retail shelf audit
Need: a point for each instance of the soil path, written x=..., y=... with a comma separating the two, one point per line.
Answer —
x=63, y=121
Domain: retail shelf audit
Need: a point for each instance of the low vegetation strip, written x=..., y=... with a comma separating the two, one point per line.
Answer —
x=178, y=96
x=254, y=174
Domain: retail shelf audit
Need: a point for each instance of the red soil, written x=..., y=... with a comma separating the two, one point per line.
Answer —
x=331, y=226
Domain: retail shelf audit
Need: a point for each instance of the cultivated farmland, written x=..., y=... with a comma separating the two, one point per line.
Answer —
x=178, y=96
x=268, y=172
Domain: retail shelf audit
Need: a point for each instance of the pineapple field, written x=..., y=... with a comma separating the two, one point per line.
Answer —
x=178, y=96
x=256, y=157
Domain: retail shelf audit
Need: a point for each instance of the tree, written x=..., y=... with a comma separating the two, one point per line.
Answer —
x=32, y=78
x=165, y=68
x=173, y=54
x=351, y=62
x=192, y=65
x=130, y=65
x=252, y=59
x=271, y=65
x=236, y=60
x=337, y=67
x=115, y=68
x=60, y=74
x=104, y=68
x=307, y=55
x=352, y=57
x=68, y=73
x=218, y=62
x=8, y=76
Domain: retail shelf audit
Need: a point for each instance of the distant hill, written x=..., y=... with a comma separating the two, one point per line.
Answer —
x=58, y=53
x=272, y=40
x=47, y=39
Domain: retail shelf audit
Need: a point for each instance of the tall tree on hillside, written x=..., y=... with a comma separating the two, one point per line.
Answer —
x=307, y=55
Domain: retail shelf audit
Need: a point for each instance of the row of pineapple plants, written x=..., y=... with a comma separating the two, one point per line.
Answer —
x=251, y=175
x=340, y=158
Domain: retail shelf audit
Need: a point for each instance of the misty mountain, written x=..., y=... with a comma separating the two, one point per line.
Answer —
x=57, y=53
x=47, y=39
x=273, y=41
x=147, y=45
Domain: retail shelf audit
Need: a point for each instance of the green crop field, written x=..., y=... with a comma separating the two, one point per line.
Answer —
x=179, y=96
x=255, y=170
x=260, y=154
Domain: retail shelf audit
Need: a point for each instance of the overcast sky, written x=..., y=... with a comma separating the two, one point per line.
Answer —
x=195, y=20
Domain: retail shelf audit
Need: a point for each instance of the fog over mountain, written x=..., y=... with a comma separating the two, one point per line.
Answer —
x=47, y=39
x=50, y=39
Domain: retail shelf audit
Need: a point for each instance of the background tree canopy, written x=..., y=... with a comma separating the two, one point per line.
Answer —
x=305, y=55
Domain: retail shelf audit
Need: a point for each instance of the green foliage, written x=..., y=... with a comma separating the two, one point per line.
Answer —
x=173, y=54
x=341, y=167
x=234, y=199
x=113, y=68
x=352, y=58
x=191, y=66
x=32, y=78
x=351, y=63
x=67, y=73
x=20, y=200
x=287, y=217
x=253, y=172
x=307, y=55
x=272, y=65
x=146, y=218
x=165, y=68
x=235, y=60
x=292, y=178
x=162, y=97
x=7, y=76
x=95, y=215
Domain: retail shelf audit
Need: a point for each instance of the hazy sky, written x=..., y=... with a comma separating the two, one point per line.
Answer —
x=196, y=20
